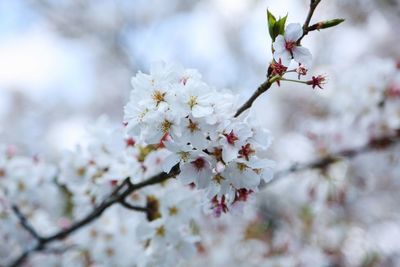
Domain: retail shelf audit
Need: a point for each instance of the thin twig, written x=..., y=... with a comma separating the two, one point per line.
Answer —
x=324, y=162
x=265, y=86
x=115, y=197
x=270, y=80
x=306, y=30
x=132, y=207
x=25, y=224
x=260, y=90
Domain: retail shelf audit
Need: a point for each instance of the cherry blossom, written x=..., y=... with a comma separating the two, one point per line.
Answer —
x=286, y=47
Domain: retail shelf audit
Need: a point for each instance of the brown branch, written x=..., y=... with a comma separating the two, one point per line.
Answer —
x=260, y=90
x=25, y=224
x=323, y=163
x=132, y=207
x=306, y=29
x=115, y=197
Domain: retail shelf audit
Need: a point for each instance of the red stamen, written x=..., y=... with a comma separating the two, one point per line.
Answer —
x=231, y=138
x=246, y=151
x=130, y=142
x=317, y=81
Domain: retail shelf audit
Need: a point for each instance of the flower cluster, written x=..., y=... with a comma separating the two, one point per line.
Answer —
x=286, y=47
x=173, y=107
x=172, y=233
x=175, y=126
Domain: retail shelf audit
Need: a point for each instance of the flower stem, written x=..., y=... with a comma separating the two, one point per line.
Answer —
x=291, y=80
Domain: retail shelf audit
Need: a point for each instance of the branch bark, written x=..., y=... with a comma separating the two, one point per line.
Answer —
x=306, y=25
x=117, y=196
x=377, y=144
x=260, y=90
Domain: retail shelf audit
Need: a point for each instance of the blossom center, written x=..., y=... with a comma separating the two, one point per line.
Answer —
x=130, y=142
x=246, y=151
x=231, y=138
x=160, y=231
x=173, y=210
x=241, y=166
x=192, y=101
x=193, y=126
x=218, y=178
x=158, y=97
x=166, y=126
x=184, y=80
x=199, y=163
x=290, y=45
x=184, y=155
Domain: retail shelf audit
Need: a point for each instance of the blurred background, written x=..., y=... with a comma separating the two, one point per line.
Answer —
x=64, y=63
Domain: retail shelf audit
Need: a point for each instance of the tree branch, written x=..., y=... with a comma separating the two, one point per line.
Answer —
x=260, y=90
x=132, y=207
x=380, y=143
x=115, y=197
x=25, y=224
x=306, y=29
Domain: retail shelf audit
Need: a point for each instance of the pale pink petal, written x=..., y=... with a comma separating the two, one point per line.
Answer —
x=200, y=111
x=293, y=32
x=229, y=153
x=250, y=179
x=187, y=175
x=170, y=162
x=204, y=178
x=302, y=55
x=279, y=44
x=284, y=56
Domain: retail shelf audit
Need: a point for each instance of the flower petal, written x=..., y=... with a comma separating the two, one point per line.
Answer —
x=200, y=111
x=293, y=32
x=302, y=55
x=187, y=175
x=279, y=44
x=284, y=56
x=170, y=162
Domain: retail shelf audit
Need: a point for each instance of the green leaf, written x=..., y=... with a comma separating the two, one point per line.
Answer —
x=276, y=27
x=271, y=23
x=281, y=25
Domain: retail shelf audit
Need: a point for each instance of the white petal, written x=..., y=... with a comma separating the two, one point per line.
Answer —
x=171, y=145
x=293, y=32
x=200, y=111
x=170, y=162
x=279, y=44
x=144, y=231
x=187, y=175
x=284, y=56
x=204, y=178
x=262, y=137
x=250, y=179
x=199, y=141
x=302, y=55
x=267, y=174
x=229, y=153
